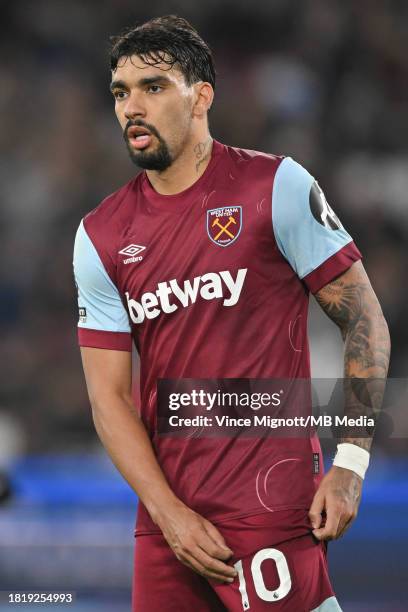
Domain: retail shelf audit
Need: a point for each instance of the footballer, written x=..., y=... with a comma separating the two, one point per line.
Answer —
x=205, y=262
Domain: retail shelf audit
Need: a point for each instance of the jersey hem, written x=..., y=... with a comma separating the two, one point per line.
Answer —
x=232, y=517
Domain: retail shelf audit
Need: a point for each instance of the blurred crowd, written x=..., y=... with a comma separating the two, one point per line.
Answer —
x=325, y=81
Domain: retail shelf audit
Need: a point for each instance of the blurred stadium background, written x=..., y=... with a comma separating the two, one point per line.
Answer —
x=325, y=81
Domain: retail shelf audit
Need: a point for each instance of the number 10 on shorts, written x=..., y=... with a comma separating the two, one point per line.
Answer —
x=256, y=572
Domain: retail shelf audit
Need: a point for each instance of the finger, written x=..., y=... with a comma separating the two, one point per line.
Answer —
x=344, y=520
x=225, y=552
x=345, y=526
x=342, y=529
x=330, y=529
x=212, y=549
x=315, y=512
x=189, y=560
x=213, y=565
x=201, y=571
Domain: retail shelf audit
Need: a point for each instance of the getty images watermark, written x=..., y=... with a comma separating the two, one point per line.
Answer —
x=282, y=407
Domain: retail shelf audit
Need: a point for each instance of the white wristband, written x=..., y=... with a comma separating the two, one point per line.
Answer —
x=352, y=457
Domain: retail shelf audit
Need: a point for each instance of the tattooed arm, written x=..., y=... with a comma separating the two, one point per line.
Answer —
x=351, y=303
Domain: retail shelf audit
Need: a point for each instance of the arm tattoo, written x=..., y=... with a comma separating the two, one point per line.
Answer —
x=350, y=302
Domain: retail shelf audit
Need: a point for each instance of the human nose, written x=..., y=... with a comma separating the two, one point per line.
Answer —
x=134, y=107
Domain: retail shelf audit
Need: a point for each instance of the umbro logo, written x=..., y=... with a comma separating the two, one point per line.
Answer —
x=132, y=251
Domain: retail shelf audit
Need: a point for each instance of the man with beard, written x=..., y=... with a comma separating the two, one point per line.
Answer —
x=205, y=261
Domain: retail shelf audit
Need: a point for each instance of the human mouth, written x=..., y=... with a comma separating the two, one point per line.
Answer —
x=139, y=137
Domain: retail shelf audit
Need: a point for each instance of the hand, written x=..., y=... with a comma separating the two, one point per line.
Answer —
x=196, y=543
x=338, y=497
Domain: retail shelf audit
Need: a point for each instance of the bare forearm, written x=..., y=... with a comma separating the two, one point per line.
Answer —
x=367, y=344
x=351, y=303
x=126, y=441
x=194, y=540
x=366, y=359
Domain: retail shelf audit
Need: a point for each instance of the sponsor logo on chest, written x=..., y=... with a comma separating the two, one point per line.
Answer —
x=170, y=295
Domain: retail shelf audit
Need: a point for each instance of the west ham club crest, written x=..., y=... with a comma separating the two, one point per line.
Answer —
x=224, y=224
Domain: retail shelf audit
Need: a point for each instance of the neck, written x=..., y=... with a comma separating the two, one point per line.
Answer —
x=185, y=170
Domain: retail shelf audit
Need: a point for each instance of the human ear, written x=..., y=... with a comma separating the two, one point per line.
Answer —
x=204, y=96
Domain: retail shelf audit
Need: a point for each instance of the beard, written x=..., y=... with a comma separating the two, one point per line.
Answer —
x=160, y=159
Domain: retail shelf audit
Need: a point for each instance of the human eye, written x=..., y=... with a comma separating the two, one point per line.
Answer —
x=154, y=89
x=119, y=94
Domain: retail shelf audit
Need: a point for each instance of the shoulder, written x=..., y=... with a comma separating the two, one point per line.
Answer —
x=292, y=188
x=113, y=213
x=248, y=161
x=289, y=181
x=103, y=228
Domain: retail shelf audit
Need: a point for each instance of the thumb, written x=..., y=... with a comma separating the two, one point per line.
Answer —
x=315, y=512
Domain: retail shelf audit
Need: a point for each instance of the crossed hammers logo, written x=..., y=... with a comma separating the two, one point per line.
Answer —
x=223, y=228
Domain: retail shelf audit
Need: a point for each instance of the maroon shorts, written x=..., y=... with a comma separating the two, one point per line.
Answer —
x=274, y=575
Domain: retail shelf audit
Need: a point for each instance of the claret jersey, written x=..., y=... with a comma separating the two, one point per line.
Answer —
x=213, y=282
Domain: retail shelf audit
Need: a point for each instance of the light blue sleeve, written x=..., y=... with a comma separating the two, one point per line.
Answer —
x=100, y=306
x=306, y=229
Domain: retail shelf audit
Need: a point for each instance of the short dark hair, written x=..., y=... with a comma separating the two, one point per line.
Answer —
x=171, y=40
